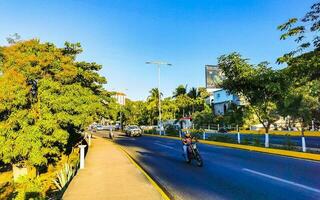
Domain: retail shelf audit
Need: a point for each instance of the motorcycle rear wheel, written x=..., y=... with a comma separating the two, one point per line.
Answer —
x=189, y=158
x=199, y=160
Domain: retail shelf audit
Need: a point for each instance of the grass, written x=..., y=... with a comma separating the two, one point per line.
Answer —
x=282, y=133
x=222, y=138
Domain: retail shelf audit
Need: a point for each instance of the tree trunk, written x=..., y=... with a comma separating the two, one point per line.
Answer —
x=302, y=128
x=266, y=127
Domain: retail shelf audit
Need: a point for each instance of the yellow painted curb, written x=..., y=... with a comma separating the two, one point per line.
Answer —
x=153, y=183
x=281, y=152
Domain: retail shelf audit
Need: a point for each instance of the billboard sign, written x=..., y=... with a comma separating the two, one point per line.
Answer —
x=213, y=76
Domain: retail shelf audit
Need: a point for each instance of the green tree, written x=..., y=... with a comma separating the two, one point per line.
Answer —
x=193, y=93
x=184, y=104
x=169, y=109
x=234, y=115
x=304, y=31
x=180, y=90
x=46, y=99
x=259, y=85
x=302, y=99
x=303, y=66
x=203, y=93
x=202, y=119
x=153, y=106
x=135, y=112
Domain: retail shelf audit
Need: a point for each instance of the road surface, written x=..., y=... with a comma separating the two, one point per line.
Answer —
x=227, y=173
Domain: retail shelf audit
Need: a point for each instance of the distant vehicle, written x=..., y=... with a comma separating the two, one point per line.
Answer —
x=100, y=127
x=117, y=127
x=112, y=127
x=222, y=130
x=133, y=131
x=148, y=127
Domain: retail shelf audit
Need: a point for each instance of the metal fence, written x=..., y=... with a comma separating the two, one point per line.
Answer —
x=312, y=126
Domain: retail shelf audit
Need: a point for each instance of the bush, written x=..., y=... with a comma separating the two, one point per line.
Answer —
x=290, y=133
x=6, y=190
x=171, y=130
x=64, y=176
x=6, y=184
x=151, y=131
x=256, y=140
x=288, y=144
x=197, y=133
x=222, y=138
x=245, y=141
x=29, y=188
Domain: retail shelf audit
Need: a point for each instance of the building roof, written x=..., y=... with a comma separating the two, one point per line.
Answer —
x=120, y=94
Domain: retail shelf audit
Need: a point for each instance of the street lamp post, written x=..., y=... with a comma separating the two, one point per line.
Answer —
x=158, y=64
x=122, y=103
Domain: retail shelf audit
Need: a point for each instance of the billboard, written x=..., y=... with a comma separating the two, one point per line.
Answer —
x=213, y=76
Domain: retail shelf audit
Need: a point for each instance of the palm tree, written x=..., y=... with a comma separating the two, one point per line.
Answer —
x=193, y=93
x=154, y=94
x=152, y=104
x=180, y=90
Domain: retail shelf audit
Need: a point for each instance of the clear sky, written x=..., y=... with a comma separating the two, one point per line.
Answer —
x=123, y=34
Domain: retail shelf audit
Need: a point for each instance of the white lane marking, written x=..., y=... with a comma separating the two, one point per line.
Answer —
x=282, y=180
x=130, y=139
x=157, y=141
x=166, y=146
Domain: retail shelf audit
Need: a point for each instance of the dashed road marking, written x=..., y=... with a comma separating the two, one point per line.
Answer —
x=166, y=146
x=282, y=180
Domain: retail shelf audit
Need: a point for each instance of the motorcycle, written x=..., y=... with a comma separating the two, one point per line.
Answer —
x=193, y=153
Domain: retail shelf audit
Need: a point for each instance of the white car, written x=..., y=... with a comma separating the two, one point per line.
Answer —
x=100, y=127
x=133, y=131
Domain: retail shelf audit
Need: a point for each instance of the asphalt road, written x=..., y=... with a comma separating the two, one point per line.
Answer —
x=227, y=173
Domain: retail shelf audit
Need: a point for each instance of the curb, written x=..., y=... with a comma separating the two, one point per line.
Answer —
x=164, y=194
x=307, y=156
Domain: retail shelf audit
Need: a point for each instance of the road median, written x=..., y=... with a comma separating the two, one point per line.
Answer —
x=294, y=154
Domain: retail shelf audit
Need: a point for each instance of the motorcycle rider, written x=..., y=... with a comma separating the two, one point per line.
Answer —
x=186, y=141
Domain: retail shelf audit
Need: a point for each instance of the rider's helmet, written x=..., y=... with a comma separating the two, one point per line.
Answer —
x=188, y=135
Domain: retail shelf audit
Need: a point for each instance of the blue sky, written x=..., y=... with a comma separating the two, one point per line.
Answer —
x=123, y=34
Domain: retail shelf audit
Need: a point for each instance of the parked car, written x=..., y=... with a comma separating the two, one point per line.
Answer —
x=100, y=127
x=222, y=130
x=112, y=127
x=117, y=127
x=133, y=131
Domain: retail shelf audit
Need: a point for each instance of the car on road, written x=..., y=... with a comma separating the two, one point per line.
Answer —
x=133, y=131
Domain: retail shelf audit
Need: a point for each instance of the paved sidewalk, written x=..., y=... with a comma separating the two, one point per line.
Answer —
x=109, y=174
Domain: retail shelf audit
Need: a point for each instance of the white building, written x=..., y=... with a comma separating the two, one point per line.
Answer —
x=219, y=98
x=120, y=97
x=222, y=100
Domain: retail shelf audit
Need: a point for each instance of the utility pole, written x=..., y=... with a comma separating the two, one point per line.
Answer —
x=158, y=64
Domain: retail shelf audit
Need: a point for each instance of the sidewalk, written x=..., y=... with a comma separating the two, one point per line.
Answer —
x=109, y=174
